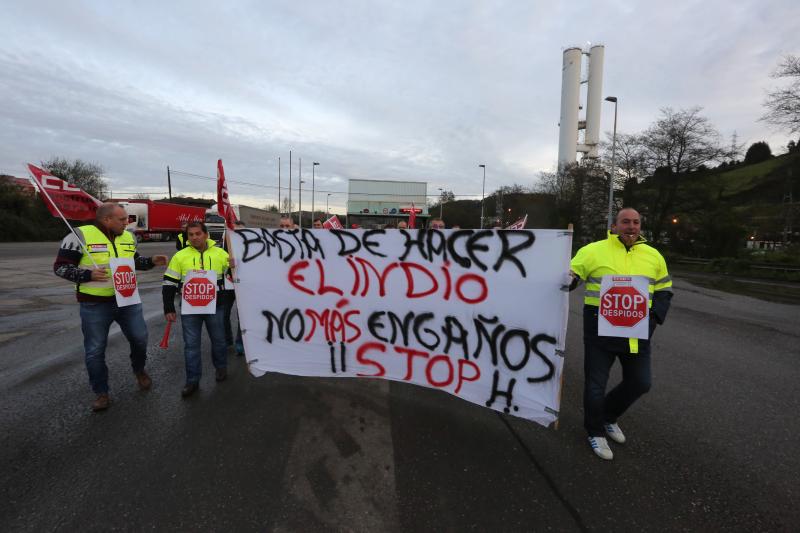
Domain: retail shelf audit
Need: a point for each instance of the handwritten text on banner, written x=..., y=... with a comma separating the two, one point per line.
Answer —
x=476, y=313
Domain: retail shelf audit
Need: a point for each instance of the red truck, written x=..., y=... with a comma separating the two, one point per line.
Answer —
x=159, y=221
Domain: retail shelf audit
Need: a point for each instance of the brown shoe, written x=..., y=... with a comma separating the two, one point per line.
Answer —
x=222, y=374
x=144, y=380
x=189, y=389
x=101, y=403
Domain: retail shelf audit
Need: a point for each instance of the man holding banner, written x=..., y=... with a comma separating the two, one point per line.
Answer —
x=101, y=259
x=198, y=271
x=628, y=292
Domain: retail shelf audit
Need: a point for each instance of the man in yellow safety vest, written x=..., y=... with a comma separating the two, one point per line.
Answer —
x=202, y=255
x=96, y=244
x=623, y=252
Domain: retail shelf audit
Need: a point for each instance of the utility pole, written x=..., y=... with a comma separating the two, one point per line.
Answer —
x=279, y=184
x=613, y=166
x=289, y=208
x=300, y=192
x=500, y=205
x=169, y=183
x=313, y=189
x=483, y=191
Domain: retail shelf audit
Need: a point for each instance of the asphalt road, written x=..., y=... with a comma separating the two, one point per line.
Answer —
x=711, y=447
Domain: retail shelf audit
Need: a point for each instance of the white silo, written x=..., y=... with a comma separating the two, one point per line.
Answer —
x=570, y=123
x=594, y=100
x=570, y=102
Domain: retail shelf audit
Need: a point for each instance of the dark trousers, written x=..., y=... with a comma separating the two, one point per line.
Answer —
x=192, y=334
x=600, y=408
x=228, y=298
x=96, y=319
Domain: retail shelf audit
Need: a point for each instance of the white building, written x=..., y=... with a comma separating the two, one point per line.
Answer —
x=375, y=203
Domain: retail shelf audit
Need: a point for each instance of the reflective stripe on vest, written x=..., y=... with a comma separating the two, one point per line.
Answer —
x=102, y=250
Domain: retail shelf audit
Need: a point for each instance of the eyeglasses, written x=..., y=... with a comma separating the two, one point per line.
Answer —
x=285, y=226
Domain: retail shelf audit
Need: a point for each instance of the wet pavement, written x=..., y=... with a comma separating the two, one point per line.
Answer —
x=711, y=447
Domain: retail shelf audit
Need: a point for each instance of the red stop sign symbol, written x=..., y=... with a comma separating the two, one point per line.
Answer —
x=623, y=306
x=199, y=292
x=125, y=281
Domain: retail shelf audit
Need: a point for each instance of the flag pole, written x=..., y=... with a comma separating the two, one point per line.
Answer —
x=44, y=191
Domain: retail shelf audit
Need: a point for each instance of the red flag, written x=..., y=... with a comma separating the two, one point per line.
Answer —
x=412, y=217
x=519, y=224
x=58, y=195
x=223, y=201
x=165, y=339
x=332, y=223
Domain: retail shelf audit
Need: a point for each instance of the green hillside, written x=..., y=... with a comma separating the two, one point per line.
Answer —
x=715, y=212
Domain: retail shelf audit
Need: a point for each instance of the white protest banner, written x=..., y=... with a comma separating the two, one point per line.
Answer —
x=199, y=294
x=623, y=307
x=123, y=277
x=476, y=313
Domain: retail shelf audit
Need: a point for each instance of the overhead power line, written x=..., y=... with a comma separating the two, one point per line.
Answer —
x=261, y=185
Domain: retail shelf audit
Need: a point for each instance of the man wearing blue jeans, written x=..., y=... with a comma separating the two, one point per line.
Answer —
x=83, y=258
x=192, y=333
x=202, y=254
x=96, y=319
x=624, y=252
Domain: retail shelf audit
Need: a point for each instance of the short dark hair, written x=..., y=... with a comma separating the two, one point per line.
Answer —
x=621, y=209
x=105, y=210
x=197, y=224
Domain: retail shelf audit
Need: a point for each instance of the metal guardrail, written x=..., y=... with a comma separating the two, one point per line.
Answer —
x=779, y=267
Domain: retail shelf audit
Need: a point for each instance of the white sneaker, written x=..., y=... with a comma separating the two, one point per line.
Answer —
x=614, y=433
x=600, y=447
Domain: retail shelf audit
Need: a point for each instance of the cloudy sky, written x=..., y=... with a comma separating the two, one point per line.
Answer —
x=417, y=90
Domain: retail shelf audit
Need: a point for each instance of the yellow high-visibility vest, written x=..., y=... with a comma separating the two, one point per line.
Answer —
x=101, y=249
x=212, y=258
x=611, y=257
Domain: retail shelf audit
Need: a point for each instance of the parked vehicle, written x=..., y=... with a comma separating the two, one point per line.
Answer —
x=254, y=217
x=159, y=221
x=215, y=224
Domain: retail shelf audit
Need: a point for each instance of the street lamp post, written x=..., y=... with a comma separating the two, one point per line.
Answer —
x=327, y=210
x=441, y=204
x=483, y=191
x=313, y=190
x=279, y=184
x=300, y=202
x=613, y=163
x=300, y=191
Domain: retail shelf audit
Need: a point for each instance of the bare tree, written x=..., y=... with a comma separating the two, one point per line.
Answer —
x=87, y=176
x=631, y=158
x=287, y=207
x=581, y=199
x=681, y=141
x=676, y=144
x=630, y=162
x=516, y=188
x=783, y=105
x=556, y=184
